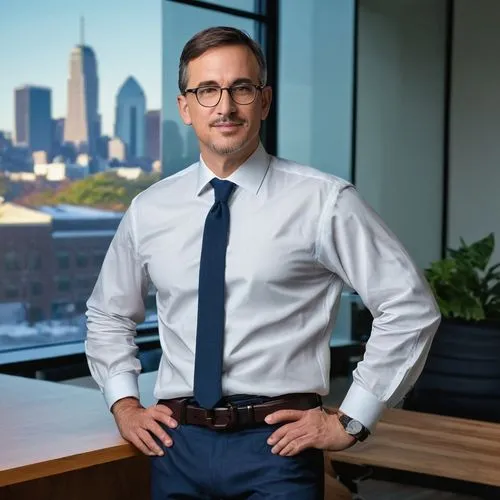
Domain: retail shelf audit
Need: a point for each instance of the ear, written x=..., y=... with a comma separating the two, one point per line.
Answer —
x=267, y=97
x=183, y=107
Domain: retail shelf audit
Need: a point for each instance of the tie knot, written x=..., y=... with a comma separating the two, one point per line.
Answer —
x=222, y=189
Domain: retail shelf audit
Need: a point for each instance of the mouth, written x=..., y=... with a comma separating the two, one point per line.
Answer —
x=224, y=126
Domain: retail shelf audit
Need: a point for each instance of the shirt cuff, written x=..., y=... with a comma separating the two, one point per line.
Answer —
x=362, y=406
x=123, y=385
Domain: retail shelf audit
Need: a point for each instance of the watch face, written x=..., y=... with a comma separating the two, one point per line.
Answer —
x=354, y=427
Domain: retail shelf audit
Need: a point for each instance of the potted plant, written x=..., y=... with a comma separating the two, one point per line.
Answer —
x=461, y=376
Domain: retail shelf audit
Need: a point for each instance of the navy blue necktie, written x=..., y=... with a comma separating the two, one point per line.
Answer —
x=211, y=294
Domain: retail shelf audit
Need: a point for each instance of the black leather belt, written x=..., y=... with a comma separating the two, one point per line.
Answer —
x=234, y=416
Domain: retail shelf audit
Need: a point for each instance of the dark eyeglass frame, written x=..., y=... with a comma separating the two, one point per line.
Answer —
x=221, y=89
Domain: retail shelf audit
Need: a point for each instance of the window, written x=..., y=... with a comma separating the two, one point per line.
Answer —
x=315, y=97
x=133, y=121
x=62, y=310
x=248, y=5
x=402, y=73
x=11, y=292
x=81, y=259
x=150, y=301
x=63, y=284
x=35, y=260
x=35, y=314
x=98, y=258
x=82, y=283
x=73, y=213
x=11, y=262
x=36, y=288
x=81, y=306
x=63, y=260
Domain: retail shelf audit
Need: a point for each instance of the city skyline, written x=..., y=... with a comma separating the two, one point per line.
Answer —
x=44, y=61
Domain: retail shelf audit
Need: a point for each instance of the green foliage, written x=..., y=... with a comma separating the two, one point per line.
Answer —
x=105, y=190
x=464, y=287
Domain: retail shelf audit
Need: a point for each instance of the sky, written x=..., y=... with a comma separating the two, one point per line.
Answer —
x=36, y=38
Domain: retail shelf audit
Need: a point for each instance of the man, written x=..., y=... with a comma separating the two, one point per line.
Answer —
x=249, y=254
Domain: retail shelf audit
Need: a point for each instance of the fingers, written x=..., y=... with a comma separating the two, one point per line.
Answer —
x=137, y=442
x=163, y=414
x=303, y=432
x=140, y=426
x=163, y=409
x=278, y=434
x=147, y=444
x=160, y=433
x=284, y=416
x=295, y=446
x=289, y=440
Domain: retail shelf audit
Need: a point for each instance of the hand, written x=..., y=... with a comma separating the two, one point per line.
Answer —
x=307, y=429
x=136, y=422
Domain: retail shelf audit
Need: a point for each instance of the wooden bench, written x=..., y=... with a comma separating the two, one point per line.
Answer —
x=434, y=445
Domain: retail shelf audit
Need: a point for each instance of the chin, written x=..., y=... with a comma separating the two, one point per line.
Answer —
x=228, y=147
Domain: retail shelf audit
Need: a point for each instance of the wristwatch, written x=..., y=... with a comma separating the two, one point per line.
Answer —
x=353, y=427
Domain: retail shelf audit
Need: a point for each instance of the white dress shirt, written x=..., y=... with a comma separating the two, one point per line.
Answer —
x=296, y=236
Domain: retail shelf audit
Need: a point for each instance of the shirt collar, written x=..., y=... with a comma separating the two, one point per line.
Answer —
x=248, y=176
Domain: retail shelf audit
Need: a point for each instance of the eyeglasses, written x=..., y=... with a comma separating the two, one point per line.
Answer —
x=210, y=96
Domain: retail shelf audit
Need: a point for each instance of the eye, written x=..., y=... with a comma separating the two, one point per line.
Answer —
x=243, y=89
x=208, y=91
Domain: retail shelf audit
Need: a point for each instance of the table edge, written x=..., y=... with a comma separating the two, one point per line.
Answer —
x=67, y=463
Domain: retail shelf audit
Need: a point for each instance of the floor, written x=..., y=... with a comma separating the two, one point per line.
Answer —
x=369, y=489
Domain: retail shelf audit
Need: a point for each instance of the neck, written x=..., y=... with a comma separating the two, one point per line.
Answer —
x=224, y=166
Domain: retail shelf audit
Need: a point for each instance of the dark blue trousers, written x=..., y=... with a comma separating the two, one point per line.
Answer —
x=212, y=465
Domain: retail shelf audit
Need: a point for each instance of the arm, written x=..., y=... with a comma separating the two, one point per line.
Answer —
x=354, y=243
x=114, y=309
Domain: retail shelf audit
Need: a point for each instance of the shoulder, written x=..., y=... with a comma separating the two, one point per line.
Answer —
x=309, y=176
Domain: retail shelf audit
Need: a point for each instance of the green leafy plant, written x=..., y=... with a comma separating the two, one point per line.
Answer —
x=463, y=284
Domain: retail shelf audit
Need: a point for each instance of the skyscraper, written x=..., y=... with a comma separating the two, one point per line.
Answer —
x=153, y=134
x=82, y=123
x=57, y=135
x=130, y=123
x=33, y=126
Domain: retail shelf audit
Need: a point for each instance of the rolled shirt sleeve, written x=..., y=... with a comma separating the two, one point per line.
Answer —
x=354, y=243
x=114, y=309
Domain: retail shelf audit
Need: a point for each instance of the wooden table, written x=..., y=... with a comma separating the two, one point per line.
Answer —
x=436, y=445
x=61, y=441
x=47, y=429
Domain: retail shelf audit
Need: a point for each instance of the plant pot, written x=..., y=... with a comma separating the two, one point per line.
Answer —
x=461, y=377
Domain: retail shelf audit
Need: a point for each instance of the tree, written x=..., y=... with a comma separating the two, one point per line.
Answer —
x=104, y=190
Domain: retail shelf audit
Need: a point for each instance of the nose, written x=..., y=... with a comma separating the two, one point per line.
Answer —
x=226, y=104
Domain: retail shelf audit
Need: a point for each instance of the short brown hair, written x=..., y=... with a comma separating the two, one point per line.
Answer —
x=218, y=37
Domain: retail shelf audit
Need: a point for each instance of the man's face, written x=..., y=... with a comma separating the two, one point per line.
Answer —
x=228, y=128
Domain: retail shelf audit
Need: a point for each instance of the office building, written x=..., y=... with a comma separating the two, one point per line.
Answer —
x=33, y=122
x=130, y=123
x=82, y=125
x=153, y=127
